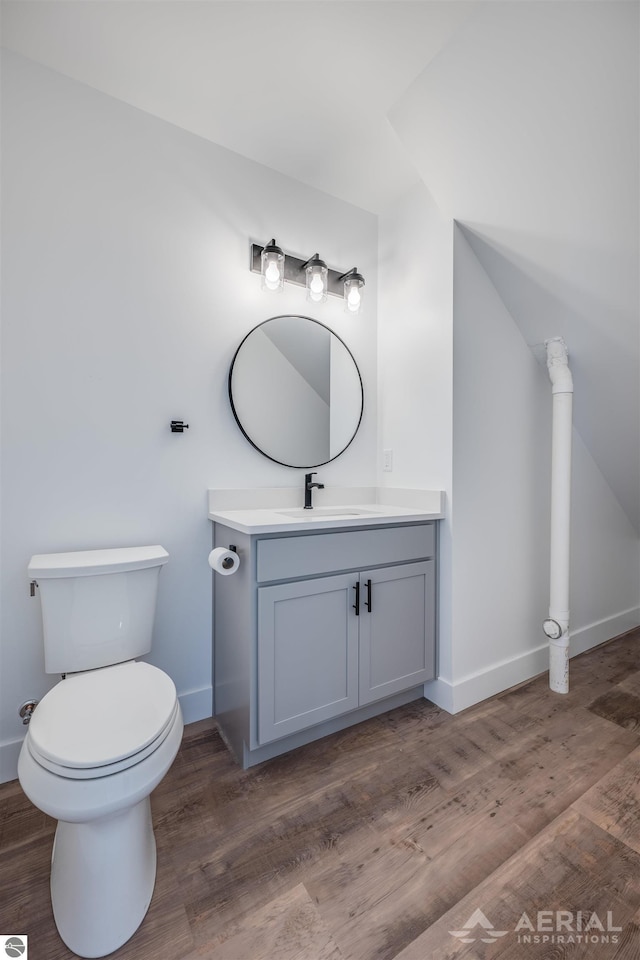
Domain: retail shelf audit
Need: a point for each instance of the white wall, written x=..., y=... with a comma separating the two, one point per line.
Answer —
x=466, y=407
x=525, y=128
x=415, y=364
x=126, y=291
x=501, y=462
x=501, y=502
x=605, y=557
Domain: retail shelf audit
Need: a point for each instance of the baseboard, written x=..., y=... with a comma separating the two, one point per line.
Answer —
x=603, y=630
x=195, y=705
x=9, y=753
x=457, y=696
x=469, y=690
x=452, y=697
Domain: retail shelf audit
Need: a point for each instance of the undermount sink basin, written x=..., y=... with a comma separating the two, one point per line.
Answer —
x=324, y=513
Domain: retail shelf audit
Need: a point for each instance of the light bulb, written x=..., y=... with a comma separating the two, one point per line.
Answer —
x=316, y=280
x=272, y=276
x=316, y=285
x=272, y=267
x=353, y=284
x=353, y=299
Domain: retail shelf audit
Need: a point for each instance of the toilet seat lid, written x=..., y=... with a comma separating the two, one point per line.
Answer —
x=102, y=716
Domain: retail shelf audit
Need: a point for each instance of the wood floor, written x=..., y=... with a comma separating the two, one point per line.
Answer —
x=382, y=842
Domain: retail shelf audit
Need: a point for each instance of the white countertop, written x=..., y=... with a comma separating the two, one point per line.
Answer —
x=265, y=510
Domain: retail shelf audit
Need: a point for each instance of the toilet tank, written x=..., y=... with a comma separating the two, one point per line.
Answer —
x=98, y=606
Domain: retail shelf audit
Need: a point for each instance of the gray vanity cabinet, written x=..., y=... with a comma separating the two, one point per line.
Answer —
x=397, y=629
x=307, y=654
x=317, y=631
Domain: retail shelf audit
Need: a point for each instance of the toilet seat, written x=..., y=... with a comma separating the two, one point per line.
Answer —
x=96, y=723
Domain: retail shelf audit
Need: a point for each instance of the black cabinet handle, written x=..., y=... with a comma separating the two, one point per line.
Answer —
x=356, y=605
x=367, y=602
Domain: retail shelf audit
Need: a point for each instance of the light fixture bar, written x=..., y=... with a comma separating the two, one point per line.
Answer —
x=294, y=271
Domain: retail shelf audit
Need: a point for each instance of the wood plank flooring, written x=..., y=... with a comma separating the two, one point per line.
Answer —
x=383, y=841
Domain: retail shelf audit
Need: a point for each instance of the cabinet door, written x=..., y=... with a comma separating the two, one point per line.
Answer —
x=307, y=654
x=397, y=636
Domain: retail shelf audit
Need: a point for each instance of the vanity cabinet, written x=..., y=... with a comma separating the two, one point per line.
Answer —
x=330, y=644
x=307, y=654
x=318, y=631
x=397, y=629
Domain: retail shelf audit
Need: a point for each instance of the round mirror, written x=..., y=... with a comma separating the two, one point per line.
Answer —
x=296, y=391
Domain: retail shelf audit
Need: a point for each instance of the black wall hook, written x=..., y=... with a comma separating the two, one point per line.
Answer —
x=178, y=426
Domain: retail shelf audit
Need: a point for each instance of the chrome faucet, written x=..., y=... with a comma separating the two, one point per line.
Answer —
x=308, y=487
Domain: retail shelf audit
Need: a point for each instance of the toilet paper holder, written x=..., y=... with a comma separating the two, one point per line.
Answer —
x=224, y=560
x=226, y=563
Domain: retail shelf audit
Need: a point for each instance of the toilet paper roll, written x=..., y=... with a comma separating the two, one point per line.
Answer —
x=224, y=561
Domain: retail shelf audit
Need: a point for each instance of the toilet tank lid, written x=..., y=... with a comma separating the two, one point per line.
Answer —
x=87, y=563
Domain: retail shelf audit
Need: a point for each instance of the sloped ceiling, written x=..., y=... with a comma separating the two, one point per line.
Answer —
x=520, y=117
x=303, y=87
x=525, y=129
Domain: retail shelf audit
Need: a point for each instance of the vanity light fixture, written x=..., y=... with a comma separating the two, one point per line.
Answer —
x=277, y=267
x=353, y=284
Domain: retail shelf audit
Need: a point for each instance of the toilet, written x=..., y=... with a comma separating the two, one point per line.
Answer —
x=101, y=740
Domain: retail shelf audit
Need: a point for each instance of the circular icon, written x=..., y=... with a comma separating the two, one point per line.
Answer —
x=14, y=947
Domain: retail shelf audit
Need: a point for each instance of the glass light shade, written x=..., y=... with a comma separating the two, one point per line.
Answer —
x=353, y=285
x=317, y=274
x=272, y=267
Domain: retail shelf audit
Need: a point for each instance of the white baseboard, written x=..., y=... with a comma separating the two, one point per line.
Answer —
x=195, y=705
x=452, y=697
x=465, y=692
x=9, y=753
x=457, y=696
x=603, y=630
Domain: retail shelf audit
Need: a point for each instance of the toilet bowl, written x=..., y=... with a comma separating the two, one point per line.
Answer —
x=94, y=773
x=100, y=740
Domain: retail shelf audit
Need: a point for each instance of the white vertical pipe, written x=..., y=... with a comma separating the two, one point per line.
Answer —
x=557, y=627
